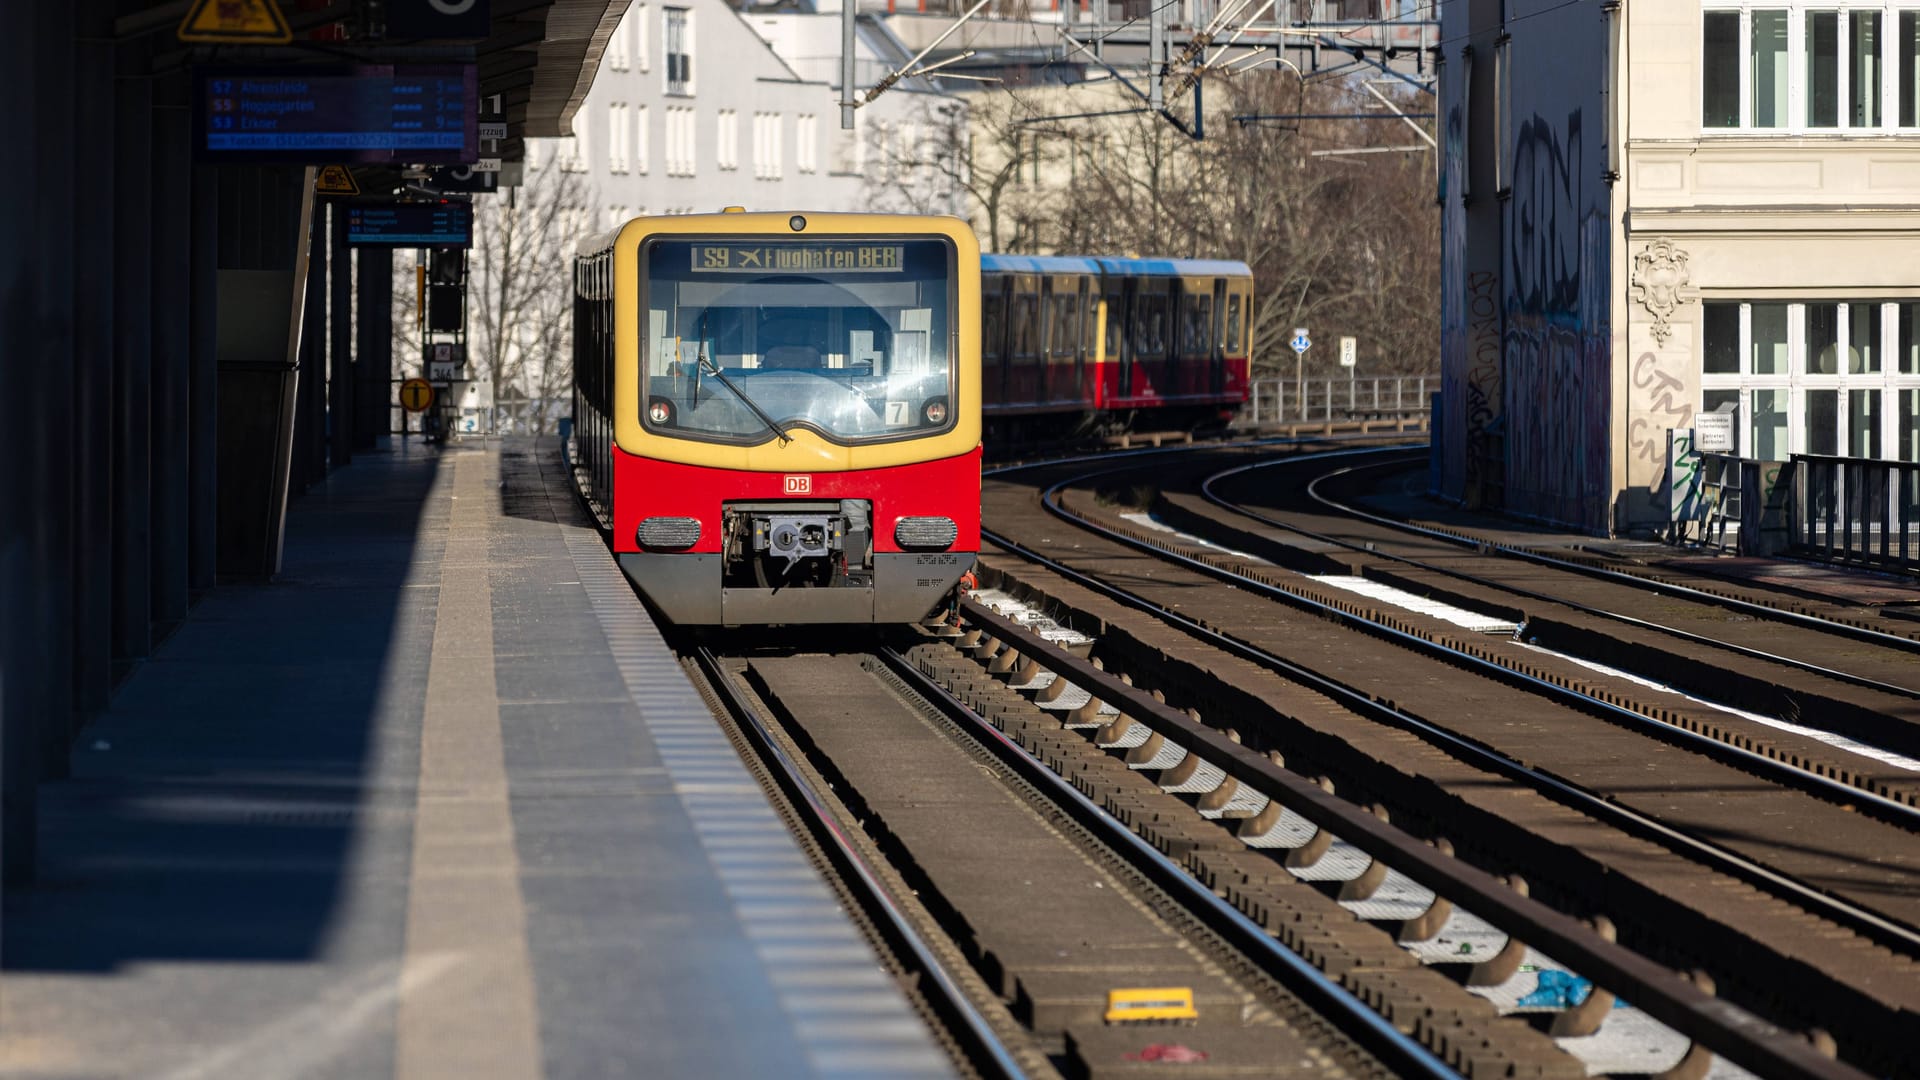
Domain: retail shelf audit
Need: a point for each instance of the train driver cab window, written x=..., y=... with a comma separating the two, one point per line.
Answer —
x=747, y=340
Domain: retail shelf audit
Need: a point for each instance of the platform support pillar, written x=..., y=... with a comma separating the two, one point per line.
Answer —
x=266, y=219
x=132, y=253
x=373, y=359
x=171, y=408
x=340, y=363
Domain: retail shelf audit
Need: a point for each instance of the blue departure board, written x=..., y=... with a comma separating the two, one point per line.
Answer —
x=431, y=224
x=366, y=114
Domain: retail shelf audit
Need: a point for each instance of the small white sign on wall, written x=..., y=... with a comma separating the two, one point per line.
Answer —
x=1713, y=433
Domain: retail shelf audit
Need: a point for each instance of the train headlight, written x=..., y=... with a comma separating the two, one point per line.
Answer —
x=669, y=533
x=660, y=412
x=935, y=412
x=925, y=533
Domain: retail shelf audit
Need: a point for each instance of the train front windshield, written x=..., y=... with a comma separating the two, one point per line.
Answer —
x=848, y=337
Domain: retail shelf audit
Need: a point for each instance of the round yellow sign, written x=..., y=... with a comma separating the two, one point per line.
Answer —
x=416, y=395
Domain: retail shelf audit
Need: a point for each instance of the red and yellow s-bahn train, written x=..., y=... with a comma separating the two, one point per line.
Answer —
x=1113, y=340
x=777, y=416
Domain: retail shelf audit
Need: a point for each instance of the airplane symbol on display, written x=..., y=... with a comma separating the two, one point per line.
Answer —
x=750, y=257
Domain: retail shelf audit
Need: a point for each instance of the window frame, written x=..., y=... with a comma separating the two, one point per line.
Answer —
x=677, y=73
x=1797, y=382
x=1798, y=96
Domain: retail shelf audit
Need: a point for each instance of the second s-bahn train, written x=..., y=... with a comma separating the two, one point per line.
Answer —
x=777, y=416
x=1108, y=341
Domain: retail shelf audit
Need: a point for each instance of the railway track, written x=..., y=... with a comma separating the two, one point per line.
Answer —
x=1011, y=910
x=1787, y=902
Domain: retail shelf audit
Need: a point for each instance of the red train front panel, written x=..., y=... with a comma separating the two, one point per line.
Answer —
x=755, y=519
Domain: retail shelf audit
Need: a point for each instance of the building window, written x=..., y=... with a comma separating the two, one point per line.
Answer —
x=640, y=138
x=576, y=158
x=619, y=56
x=680, y=141
x=619, y=132
x=1720, y=90
x=806, y=143
x=642, y=40
x=768, y=146
x=679, y=51
x=726, y=149
x=1810, y=66
x=1819, y=377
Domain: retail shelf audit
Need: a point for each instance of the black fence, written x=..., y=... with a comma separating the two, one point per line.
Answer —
x=1857, y=510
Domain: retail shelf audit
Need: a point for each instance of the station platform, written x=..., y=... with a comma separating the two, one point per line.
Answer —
x=439, y=802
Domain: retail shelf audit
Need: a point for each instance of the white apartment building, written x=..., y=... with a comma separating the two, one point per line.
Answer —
x=1650, y=210
x=692, y=111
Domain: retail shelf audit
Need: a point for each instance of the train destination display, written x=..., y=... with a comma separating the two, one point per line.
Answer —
x=810, y=255
x=369, y=113
x=441, y=225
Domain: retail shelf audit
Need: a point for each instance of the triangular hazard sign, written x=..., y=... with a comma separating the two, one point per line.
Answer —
x=335, y=180
x=252, y=22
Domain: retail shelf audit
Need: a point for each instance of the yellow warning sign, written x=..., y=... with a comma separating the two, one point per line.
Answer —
x=335, y=180
x=245, y=22
x=416, y=395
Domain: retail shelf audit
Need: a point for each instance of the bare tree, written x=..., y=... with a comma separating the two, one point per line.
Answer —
x=979, y=151
x=520, y=294
x=1346, y=244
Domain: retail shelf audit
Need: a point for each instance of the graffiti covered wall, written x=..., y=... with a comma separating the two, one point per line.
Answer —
x=1556, y=294
x=1471, y=364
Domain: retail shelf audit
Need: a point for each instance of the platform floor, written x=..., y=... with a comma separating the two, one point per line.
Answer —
x=435, y=803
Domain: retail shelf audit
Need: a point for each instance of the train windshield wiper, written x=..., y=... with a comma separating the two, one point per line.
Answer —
x=744, y=399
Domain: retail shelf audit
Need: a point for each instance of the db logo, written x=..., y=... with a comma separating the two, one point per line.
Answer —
x=799, y=485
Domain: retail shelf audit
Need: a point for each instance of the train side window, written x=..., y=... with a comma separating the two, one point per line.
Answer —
x=1115, y=314
x=1233, y=322
x=1196, y=324
x=1065, y=332
x=1150, y=325
x=992, y=320
x=1026, y=325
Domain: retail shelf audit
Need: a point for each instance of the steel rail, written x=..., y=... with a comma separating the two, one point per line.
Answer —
x=1876, y=805
x=1748, y=607
x=988, y=1054
x=1206, y=489
x=1722, y=1027
x=1403, y=1055
x=1869, y=924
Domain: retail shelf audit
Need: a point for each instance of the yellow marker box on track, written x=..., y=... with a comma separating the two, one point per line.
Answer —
x=1159, y=1004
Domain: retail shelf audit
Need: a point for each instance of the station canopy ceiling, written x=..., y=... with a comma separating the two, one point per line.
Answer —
x=539, y=56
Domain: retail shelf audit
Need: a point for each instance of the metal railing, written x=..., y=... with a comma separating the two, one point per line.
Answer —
x=1280, y=399
x=1857, y=510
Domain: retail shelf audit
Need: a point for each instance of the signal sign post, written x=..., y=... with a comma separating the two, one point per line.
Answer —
x=416, y=395
x=1300, y=343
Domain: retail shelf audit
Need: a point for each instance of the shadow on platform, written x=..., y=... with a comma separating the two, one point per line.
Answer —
x=217, y=808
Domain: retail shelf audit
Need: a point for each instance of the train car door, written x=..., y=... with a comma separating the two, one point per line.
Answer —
x=993, y=338
x=1023, y=340
x=1151, y=339
x=1063, y=297
x=1088, y=347
x=1118, y=358
x=1217, y=368
x=1236, y=338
